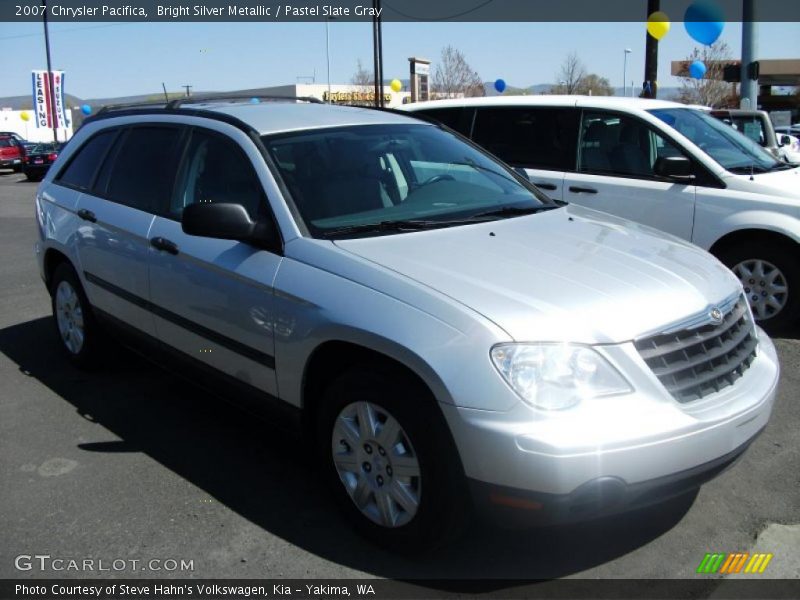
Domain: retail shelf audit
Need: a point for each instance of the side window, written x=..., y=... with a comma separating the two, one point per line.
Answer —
x=457, y=118
x=215, y=169
x=620, y=145
x=537, y=138
x=81, y=169
x=142, y=175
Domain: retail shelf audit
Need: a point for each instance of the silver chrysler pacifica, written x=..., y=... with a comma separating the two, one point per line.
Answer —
x=449, y=337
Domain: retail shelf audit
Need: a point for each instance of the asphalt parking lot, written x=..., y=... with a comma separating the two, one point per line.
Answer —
x=134, y=463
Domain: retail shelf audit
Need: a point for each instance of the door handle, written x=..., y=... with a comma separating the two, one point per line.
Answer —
x=160, y=243
x=545, y=186
x=87, y=215
x=582, y=190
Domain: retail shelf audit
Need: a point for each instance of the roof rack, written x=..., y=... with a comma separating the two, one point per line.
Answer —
x=128, y=105
x=217, y=97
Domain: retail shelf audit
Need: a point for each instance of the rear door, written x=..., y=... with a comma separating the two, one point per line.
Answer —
x=136, y=174
x=541, y=140
x=616, y=174
x=212, y=298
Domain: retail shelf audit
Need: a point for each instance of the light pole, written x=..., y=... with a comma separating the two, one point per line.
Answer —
x=50, y=79
x=328, y=53
x=625, y=72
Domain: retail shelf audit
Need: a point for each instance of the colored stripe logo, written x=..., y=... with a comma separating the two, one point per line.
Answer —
x=736, y=562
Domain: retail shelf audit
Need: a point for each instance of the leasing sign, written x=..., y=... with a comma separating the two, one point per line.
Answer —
x=49, y=107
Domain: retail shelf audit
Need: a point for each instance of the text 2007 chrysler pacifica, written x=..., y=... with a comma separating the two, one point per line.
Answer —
x=441, y=329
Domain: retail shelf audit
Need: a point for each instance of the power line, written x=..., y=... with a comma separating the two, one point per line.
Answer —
x=447, y=18
x=24, y=35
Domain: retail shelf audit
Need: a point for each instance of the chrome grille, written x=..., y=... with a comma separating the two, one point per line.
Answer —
x=693, y=363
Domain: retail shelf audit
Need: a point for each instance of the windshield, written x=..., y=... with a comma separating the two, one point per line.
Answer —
x=732, y=150
x=351, y=178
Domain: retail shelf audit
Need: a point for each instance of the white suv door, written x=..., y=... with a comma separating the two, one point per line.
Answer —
x=615, y=173
x=214, y=297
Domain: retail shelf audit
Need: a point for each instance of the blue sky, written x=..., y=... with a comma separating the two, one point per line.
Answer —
x=115, y=59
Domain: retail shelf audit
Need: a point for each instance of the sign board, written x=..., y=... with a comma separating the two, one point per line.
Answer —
x=49, y=108
x=421, y=68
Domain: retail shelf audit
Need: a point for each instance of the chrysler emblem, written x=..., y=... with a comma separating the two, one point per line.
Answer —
x=716, y=315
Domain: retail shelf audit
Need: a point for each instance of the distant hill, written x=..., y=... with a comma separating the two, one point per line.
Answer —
x=667, y=93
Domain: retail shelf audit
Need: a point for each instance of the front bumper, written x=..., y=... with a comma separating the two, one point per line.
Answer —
x=612, y=454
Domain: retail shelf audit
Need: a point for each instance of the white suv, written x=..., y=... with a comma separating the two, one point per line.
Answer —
x=659, y=163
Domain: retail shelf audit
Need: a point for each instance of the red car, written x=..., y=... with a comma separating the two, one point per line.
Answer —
x=12, y=153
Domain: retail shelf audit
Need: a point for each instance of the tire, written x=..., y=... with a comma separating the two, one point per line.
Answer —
x=414, y=493
x=770, y=274
x=75, y=324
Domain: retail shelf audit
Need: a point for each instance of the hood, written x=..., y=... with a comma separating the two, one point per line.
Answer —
x=571, y=274
x=779, y=183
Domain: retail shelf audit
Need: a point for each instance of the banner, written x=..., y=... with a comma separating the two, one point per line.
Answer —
x=49, y=108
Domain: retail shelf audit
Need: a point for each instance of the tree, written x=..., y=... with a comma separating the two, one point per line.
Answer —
x=594, y=85
x=570, y=77
x=453, y=76
x=711, y=90
x=362, y=76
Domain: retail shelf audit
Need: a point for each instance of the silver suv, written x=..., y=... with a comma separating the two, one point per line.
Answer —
x=448, y=336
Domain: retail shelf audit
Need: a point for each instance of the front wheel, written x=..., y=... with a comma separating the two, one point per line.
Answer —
x=389, y=460
x=770, y=276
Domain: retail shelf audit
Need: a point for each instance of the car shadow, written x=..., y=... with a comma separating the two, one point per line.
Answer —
x=219, y=450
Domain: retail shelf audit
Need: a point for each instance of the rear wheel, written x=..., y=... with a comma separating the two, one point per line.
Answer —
x=770, y=275
x=389, y=460
x=74, y=320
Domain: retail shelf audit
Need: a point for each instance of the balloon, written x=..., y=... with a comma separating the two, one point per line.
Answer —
x=704, y=22
x=24, y=116
x=500, y=85
x=697, y=69
x=255, y=100
x=658, y=25
x=86, y=109
x=396, y=85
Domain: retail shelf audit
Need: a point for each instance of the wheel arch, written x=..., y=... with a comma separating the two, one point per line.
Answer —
x=740, y=236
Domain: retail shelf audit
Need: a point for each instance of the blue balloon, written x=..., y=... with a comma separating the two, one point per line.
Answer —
x=86, y=109
x=255, y=101
x=704, y=22
x=697, y=69
x=500, y=85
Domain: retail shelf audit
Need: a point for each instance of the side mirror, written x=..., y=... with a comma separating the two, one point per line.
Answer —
x=226, y=221
x=786, y=140
x=674, y=167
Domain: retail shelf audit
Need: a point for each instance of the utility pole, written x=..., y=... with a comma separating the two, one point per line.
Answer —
x=377, y=45
x=650, y=85
x=52, y=94
x=188, y=90
x=749, y=77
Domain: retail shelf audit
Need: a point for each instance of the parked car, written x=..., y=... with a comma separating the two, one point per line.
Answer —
x=38, y=160
x=756, y=125
x=26, y=145
x=11, y=153
x=659, y=163
x=445, y=334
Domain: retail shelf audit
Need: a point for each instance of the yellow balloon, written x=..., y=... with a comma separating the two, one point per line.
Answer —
x=24, y=116
x=396, y=85
x=658, y=24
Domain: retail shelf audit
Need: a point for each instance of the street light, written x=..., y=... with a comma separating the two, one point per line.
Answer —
x=625, y=72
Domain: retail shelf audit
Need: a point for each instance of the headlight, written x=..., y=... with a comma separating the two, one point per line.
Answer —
x=557, y=376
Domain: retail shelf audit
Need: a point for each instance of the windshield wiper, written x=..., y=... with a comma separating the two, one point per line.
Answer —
x=748, y=169
x=409, y=225
x=512, y=211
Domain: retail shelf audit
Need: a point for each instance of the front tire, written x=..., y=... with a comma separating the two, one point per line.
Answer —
x=389, y=460
x=75, y=324
x=770, y=275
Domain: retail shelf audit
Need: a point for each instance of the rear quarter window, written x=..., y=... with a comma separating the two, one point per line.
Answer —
x=83, y=166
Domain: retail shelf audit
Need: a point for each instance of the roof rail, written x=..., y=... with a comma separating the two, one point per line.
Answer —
x=127, y=105
x=217, y=97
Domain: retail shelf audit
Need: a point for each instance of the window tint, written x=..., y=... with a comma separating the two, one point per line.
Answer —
x=5, y=143
x=457, y=118
x=217, y=170
x=81, y=169
x=537, y=138
x=621, y=145
x=144, y=167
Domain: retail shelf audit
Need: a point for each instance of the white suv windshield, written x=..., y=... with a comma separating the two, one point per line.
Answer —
x=395, y=178
x=732, y=150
